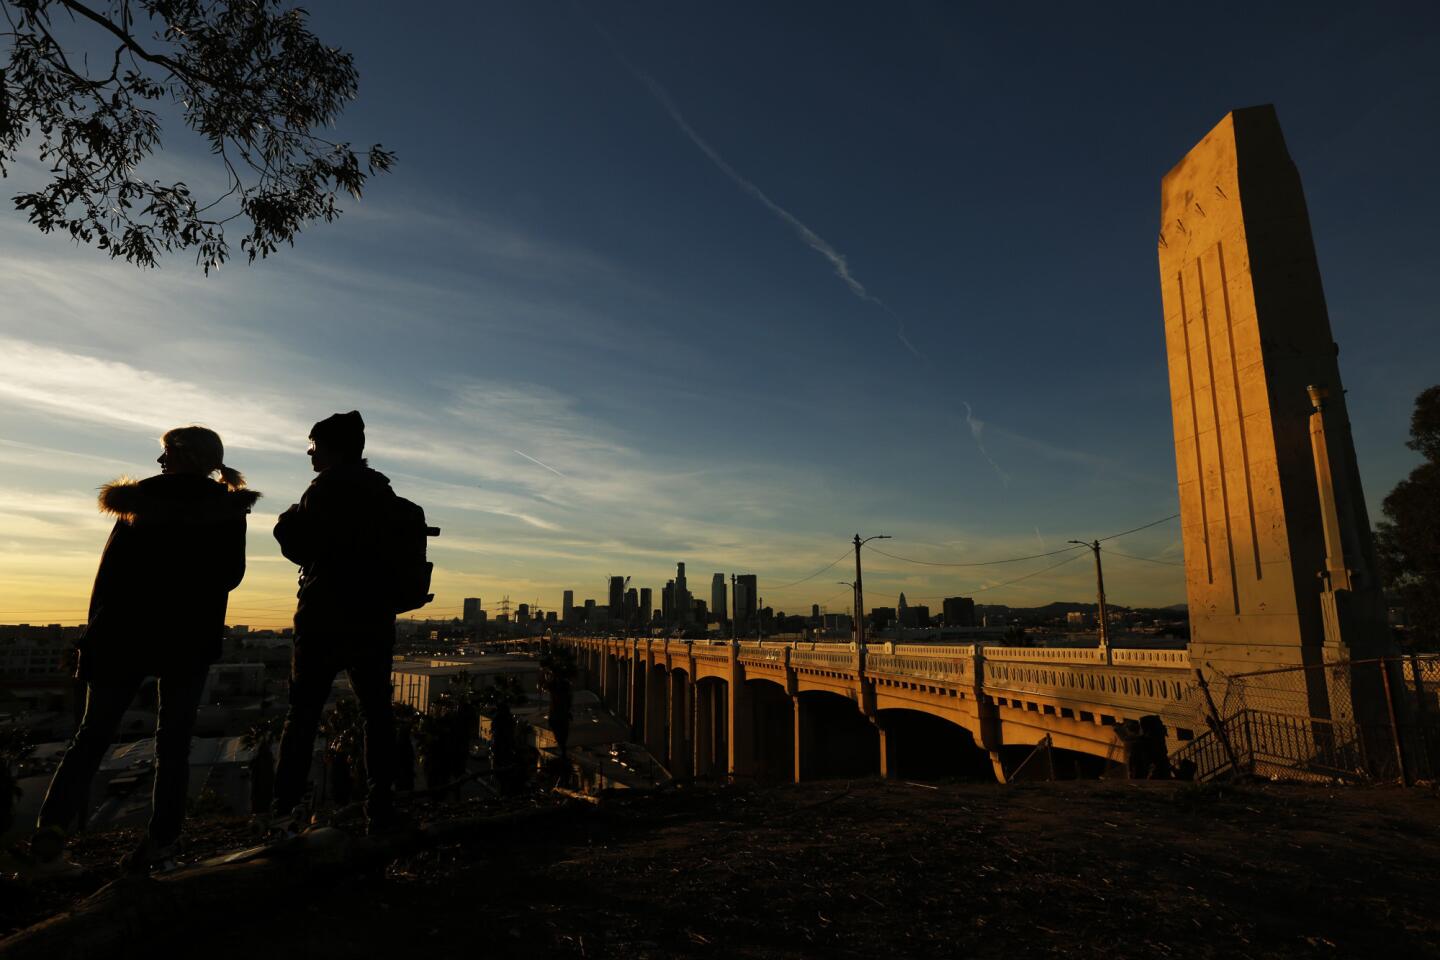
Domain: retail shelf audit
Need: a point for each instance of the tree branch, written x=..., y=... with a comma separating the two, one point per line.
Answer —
x=129, y=41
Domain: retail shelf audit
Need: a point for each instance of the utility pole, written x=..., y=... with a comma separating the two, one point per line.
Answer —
x=1100, y=593
x=860, y=590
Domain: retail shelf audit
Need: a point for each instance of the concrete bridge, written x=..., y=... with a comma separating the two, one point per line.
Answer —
x=787, y=710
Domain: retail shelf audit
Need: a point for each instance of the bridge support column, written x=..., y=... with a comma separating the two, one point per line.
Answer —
x=887, y=751
x=656, y=706
x=998, y=766
x=703, y=704
x=681, y=708
x=636, y=711
x=740, y=723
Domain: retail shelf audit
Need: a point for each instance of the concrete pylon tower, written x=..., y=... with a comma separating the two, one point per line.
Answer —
x=1247, y=335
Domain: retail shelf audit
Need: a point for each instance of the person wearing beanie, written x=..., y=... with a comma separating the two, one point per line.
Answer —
x=157, y=609
x=343, y=619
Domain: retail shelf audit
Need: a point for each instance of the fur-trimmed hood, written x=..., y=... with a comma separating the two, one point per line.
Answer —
x=174, y=498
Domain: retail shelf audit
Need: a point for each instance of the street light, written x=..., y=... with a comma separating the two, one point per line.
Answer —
x=1100, y=592
x=860, y=590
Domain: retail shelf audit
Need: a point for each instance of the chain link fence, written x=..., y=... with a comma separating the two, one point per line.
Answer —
x=1372, y=720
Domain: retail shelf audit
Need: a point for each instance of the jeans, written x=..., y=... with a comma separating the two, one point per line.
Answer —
x=313, y=665
x=106, y=701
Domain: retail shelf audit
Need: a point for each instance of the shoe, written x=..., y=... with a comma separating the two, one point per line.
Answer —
x=150, y=857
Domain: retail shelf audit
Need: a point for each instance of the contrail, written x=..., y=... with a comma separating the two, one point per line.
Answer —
x=812, y=239
x=977, y=430
x=540, y=462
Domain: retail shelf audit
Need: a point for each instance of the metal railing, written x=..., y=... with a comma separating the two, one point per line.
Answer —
x=1370, y=720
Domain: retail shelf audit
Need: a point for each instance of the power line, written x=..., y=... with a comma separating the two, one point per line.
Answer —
x=1069, y=559
x=1127, y=556
x=1153, y=523
x=1006, y=583
x=812, y=576
x=1033, y=556
x=976, y=563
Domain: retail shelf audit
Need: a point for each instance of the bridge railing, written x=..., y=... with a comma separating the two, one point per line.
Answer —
x=1046, y=654
x=934, y=668
x=1162, y=691
x=835, y=659
x=933, y=649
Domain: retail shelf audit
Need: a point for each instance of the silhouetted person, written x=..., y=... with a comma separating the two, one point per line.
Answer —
x=345, y=618
x=262, y=778
x=157, y=609
x=503, y=755
x=404, y=759
x=1156, y=759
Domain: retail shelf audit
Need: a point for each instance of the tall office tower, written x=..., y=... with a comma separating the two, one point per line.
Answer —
x=699, y=611
x=471, y=615
x=632, y=606
x=746, y=596
x=959, y=612
x=617, y=598
x=814, y=611
x=682, y=595
x=718, y=605
x=647, y=604
x=667, y=601
x=567, y=607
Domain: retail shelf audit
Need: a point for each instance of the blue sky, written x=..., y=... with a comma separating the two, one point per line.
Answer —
x=744, y=279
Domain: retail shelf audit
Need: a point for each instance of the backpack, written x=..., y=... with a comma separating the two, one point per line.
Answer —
x=407, y=536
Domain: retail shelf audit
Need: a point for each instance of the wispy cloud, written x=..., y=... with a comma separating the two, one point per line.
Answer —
x=87, y=388
x=977, y=431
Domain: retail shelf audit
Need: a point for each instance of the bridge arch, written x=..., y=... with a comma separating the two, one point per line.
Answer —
x=711, y=727
x=833, y=738
x=771, y=730
x=919, y=745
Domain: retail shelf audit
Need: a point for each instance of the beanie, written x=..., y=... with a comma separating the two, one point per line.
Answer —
x=343, y=432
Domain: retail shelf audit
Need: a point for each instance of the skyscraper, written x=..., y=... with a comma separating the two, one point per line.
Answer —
x=746, y=596
x=567, y=608
x=471, y=616
x=617, y=598
x=682, y=608
x=647, y=604
x=718, y=605
x=959, y=612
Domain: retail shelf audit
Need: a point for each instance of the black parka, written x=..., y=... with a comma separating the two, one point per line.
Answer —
x=176, y=551
x=338, y=534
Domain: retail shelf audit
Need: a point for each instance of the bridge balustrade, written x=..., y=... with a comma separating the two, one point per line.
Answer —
x=1157, y=658
x=930, y=668
x=1129, y=689
x=1047, y=654
x=933, y=649
x=833, y=659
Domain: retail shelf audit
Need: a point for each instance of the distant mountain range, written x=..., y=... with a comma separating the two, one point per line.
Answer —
x=1057, y=609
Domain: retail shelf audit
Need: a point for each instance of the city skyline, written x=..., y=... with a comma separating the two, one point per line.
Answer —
x=623, y=304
